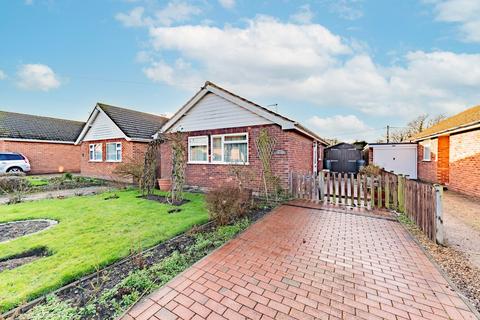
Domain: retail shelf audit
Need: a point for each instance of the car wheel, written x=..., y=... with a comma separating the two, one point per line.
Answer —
x=15, y=170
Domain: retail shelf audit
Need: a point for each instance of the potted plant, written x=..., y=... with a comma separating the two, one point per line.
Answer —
x=165, y=184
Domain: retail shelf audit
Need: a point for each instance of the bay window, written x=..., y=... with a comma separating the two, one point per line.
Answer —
x=114, y=152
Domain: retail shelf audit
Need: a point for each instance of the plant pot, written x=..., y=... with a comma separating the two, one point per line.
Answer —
x=164, y=184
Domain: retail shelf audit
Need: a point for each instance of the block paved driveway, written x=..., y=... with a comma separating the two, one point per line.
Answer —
x=299, y=263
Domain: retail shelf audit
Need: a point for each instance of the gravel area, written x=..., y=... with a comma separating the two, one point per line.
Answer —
x=462, y=224
x=12, y=230
x=60, y=193
x=456, y=264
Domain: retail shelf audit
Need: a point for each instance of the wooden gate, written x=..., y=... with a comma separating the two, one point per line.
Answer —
x=420, y=201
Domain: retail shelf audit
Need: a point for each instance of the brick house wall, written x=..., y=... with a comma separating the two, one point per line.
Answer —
x=427, y=170
x=464, y=169
x=104, y=170
x=293, y=152
x=46, y=157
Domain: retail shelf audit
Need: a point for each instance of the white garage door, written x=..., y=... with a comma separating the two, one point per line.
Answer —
x=399, y=158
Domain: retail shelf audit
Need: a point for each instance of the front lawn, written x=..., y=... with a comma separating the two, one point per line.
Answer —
x=92, y=232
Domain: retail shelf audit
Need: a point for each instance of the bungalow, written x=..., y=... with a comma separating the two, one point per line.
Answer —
x=48, y=143
x=449, y=152
x=220, y=132
x=113, y=135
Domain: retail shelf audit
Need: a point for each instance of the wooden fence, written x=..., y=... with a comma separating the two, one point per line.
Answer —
x=421, y=202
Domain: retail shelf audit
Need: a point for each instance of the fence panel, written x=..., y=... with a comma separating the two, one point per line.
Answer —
x=420, y=201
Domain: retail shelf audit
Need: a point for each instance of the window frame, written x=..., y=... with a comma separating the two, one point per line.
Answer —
x=189, y=144
x=427, y=145
x=90, y=159
x=223, y=142
x=117, y=144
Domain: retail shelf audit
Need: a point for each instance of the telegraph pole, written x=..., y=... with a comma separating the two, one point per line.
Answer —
x=388, y=134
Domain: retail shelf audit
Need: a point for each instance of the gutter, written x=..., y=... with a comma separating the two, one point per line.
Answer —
x=38, y=140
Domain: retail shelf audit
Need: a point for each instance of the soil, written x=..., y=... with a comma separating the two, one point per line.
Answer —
x=455, y=264
x=22, y=258
x=12, y=230
x=80, y=292
x=163, y=199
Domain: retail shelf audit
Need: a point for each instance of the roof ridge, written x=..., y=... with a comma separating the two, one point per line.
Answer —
x=132, y=110
x=43, y=117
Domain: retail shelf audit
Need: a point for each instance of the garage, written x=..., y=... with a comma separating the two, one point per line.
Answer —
x=401, y=158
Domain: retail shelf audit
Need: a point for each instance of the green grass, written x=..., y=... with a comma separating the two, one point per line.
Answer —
x=92, y=232
x=37, y=182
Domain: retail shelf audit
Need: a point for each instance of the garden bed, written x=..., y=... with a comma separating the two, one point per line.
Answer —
x=20, y=259
x=107, y=293
x=452, y=262
x=12, y=230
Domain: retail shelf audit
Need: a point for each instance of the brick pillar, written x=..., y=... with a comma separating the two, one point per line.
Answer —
x=443, y=161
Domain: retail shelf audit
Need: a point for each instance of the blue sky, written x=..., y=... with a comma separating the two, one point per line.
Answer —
x=345, y=68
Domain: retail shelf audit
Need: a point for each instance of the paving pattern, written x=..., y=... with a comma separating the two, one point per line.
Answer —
x=300, y=263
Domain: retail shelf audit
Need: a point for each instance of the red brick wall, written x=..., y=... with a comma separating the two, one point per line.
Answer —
x=443, y=159
x=104, y=169
x=46, y=157
x=293, y=152
x=427, y=170
x=465, y=162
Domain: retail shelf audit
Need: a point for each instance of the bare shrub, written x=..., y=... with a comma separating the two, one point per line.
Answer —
x=13, y=183
x=131, y=168
x=226, y=204
x=371, y=170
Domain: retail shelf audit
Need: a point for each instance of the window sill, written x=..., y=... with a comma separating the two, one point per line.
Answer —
x=220, y=163
x=113, y=161
x=427, y=160
x=95, y=160
x=198, y=162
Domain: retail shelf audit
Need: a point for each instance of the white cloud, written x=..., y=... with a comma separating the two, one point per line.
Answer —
x=28, y=2
x=174, y=11
x=227, y=4
x=2, y=75
x=343, y=127
x=347, y=9
x=308, y=63
x=304, y=15
x=37, y=77
x=466, y=13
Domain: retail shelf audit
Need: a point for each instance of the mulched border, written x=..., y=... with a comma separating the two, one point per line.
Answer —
x=50, y=222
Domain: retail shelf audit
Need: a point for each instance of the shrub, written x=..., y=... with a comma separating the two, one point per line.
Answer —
x=371, y=169
x=67, y=176
x=132, y=168
x=13, y=183
x=226, y=204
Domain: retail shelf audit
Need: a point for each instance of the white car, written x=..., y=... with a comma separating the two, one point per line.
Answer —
x=13, y=162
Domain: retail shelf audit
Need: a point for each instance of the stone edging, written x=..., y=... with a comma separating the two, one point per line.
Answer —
x=51, y=223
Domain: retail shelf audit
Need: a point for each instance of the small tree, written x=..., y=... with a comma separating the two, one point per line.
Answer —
x=147, y=182
x=265, y=144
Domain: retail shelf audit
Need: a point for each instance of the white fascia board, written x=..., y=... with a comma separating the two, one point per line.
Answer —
x=285, y=124
x=450, y=131
x=37, y=140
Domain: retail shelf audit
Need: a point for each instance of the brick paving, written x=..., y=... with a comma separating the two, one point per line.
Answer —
x=300, y=263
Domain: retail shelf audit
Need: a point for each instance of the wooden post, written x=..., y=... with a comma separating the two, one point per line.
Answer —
x=400, y=194
x=359, y=189
x=352, y=189
x=439, y=232
x=372, y=192
x=321, y=186
x=379, y=192
x=334, y=188
x=387, y=191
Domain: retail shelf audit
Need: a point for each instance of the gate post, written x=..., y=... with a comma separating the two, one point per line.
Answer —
x=321, y=186
x=439, y=232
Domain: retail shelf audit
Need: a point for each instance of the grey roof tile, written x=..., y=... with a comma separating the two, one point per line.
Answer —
x=26, y=126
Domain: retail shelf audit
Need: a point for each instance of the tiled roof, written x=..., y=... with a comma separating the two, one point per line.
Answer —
x=462, y=119
x=135, y=124
x=26, y=126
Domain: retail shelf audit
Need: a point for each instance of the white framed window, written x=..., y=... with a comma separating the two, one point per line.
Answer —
x=114, y=152
x=427, y=152
x=198, y=149
x=230, y=148
x=95, y=152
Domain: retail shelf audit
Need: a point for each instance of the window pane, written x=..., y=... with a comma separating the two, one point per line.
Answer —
x=111, y=152
x=217, y=149
x=241, y=137
x=236, y=152
x=98, y=152
x=198, y=153
x=198, y=140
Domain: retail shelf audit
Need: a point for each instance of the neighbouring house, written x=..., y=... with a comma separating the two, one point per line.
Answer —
x=114, y=135
x=400, y=158
x=449, y=152
x=220, y=131
x=343, y=157
x=48, y=143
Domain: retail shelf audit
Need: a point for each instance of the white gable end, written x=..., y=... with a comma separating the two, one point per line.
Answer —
x=103, y=128
x=214, y=112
